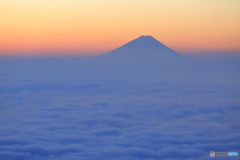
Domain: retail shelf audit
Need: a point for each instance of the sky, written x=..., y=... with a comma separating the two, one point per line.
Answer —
x=128, y=104
x=32, y=27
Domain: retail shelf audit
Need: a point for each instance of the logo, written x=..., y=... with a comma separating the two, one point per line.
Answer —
x=212, y=153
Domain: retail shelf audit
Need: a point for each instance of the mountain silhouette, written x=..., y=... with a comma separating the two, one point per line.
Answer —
x=144, y=56
x=145, y=47
x=144, y=44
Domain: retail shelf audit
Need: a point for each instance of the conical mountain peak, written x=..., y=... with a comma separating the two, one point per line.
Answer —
x=144, y=45
x=142, y=42
x=146, y=36
x=144, y=54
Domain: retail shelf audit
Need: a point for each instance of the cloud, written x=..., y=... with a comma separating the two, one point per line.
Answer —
x=117, y=120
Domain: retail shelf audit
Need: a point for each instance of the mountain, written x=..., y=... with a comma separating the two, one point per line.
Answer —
x=144, y=56
x=146, y=45
x=142, y=50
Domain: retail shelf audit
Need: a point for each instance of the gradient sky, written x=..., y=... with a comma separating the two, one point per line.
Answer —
x=98, y=26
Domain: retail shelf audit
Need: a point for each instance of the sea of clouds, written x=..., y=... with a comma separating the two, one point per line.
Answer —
x=58, y=119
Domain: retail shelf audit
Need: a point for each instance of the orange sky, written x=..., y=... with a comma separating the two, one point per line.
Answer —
x=98, y=26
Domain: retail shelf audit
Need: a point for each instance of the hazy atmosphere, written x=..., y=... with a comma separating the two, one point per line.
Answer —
x=119, y=80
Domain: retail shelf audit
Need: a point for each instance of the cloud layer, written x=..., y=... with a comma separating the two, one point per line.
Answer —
x=117, y=120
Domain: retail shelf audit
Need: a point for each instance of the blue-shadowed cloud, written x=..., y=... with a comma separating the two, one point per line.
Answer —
x=118, y=120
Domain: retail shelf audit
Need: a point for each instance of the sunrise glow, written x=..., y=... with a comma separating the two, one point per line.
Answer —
x=93, y=26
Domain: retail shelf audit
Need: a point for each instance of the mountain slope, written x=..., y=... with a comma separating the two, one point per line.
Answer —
x=142, y=56
x=143, y=47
